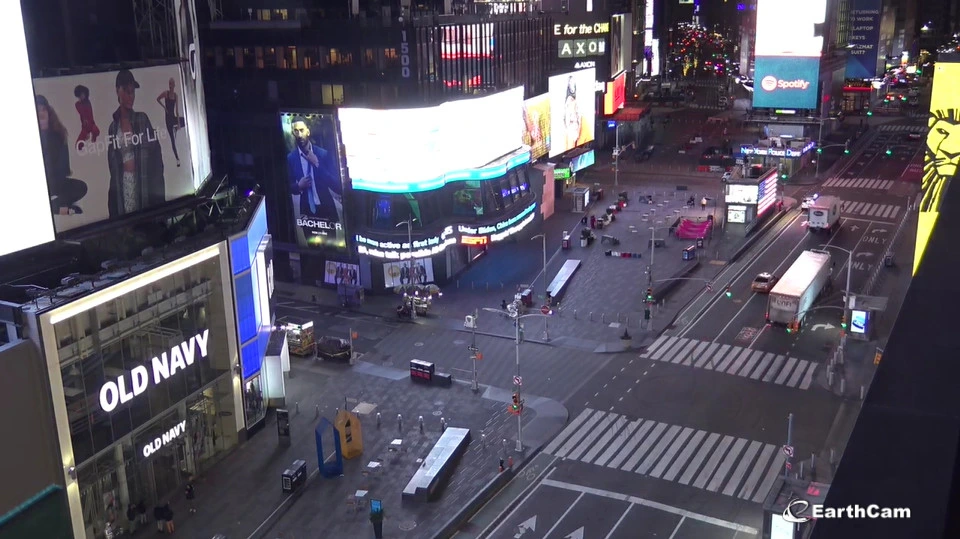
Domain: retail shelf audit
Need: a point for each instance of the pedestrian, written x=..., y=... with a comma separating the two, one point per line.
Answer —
x=142, y=512
x=160, y=517
x=189, y=494
x=703, y=203
x=132, y=517
x=168, y=517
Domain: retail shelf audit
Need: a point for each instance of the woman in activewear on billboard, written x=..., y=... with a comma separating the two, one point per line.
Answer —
x=168, y=100
x=65, y=192
x=576, y=130
x=88, y=125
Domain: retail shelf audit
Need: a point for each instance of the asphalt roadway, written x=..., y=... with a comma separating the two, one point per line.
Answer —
x=684, y=439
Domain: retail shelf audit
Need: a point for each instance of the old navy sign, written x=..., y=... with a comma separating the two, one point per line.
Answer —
x=126, y=387
x=175, y=432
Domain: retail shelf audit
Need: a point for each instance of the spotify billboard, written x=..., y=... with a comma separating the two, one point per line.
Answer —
x=786, y=82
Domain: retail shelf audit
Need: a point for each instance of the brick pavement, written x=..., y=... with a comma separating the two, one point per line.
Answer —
x=241, y=495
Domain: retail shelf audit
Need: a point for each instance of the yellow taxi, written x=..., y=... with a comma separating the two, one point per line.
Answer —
x=763, y=283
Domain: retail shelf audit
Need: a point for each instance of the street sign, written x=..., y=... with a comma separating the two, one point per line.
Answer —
x=545, y=310
x=788, y=450
x=517, y=381
x=473, y=348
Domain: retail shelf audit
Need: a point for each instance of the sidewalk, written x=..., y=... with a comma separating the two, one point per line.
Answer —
x=241, y=496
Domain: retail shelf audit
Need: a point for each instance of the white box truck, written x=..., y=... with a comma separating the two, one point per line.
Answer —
x=824, y=214
x=795, y=292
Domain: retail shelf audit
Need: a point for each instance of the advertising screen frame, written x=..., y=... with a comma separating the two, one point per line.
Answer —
x=416, y=150
x=774, y=38
x=744, y=194
x=786, y=82
x=29, y=212
x=536, y=125
x=87, y=148
x=572, y=117
x=322, y=224
x=939, y=165
x=582, y=42
x=615, y=96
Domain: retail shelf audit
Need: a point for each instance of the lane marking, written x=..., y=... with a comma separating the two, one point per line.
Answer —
x=565, y=513
x=651, y=504
x=675, y=530
x=619, y=521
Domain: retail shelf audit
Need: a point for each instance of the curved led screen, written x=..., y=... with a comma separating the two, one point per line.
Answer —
x=411, y=150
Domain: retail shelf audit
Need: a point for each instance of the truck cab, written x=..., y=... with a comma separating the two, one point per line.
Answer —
x=824, y=214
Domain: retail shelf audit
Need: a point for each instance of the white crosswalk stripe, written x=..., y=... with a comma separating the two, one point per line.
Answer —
x=710, y=461
x=887, y=128
x=871, y=210
x=733, y=360
x=859, y=183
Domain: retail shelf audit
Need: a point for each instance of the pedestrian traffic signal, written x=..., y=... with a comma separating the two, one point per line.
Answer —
x=843, y=321
x=516, y=399
x=517, y=405
x=649, y=295
x=728, y=292
x=846, y=148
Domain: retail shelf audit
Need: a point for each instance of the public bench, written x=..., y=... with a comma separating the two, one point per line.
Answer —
x=438, y=466
x=555, y=289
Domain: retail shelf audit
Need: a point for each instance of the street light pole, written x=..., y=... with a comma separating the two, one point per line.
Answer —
x=616, y=158
x=517, y=387
x=409, y=223
x=846, y=290
x=473, y=350
x=820, y=145
x=653, y=250
x=543, y=238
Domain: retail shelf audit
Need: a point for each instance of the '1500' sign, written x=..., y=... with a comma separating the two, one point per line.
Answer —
x=127, y=386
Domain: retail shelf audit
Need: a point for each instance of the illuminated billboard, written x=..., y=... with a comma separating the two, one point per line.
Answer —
x=587, y=42
x=536, y=125
x=942, y=152
x=615, y=95
x=413, y=150
x=25, y=218
x=864, y=37
x=314, y=179
x=786, y=82
x=573, y=110
x=194, y=106
x=788, y=28
x=114, y=143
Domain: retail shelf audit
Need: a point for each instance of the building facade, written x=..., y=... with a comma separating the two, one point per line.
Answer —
x=278, y=81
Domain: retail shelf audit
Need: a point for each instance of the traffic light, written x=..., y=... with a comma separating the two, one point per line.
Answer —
x=728, y=292
x=517, y=405
x=889, y=151
x=649, y=295
x=843, y=321
x=819, y=150
x=846, y=148
x=869, y=113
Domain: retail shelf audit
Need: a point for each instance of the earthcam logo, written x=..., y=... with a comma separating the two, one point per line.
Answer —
x=771, y=83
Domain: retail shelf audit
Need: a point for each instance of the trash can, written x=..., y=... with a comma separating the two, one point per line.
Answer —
x=583, y=242
x=565, y=242
x=690, y=253
x=888, y=260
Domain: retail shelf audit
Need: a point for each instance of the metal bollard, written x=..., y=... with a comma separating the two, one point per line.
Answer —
x=832, y=455
x=421, y=424
x=843, y=386
x=504, y=446
x=830, y=378
x=813, y=462
x=591, y=316
x=627, y=321
x=863, y=392
x=574, y=314
x=296, y=408
x=483, y=441
x=443, y=424
x=603, y=318
x=378, y=420
x=399, y=423
x=800, y=473
x=318, y=410
x=619, y=319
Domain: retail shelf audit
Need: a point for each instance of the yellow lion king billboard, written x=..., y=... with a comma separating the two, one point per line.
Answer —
x=942, y=152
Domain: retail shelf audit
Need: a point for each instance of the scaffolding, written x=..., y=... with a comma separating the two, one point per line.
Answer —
x=156, y=24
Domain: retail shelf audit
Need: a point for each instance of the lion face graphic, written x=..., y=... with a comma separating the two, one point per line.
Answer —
x=942, y=156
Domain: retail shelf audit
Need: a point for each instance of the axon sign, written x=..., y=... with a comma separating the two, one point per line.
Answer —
x=128, y=386
x=771, y=83
x=175, y=432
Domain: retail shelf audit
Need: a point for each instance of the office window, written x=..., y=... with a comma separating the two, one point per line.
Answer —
x=258, y=52
x=340, y=57
x=369, y=58
x=263, y=14
x=269, y=57
x=290, y=58
x=310, y=57
x=248, y=58
x=280, y=14
x=391, y=58
x=332, y=94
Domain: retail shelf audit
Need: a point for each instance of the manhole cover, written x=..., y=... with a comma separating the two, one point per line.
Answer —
x=438, y=413
x=407, y=525
x=418, y=344
x=747, y=334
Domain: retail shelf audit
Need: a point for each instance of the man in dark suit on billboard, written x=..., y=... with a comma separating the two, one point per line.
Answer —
x=313, y=174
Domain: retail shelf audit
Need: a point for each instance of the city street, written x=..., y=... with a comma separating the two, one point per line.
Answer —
x=686, y=436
